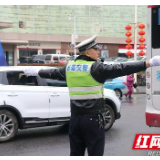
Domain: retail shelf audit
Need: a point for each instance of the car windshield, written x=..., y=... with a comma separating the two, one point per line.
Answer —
x=61, y=58
x=66, y=59
x=34, y=57
x=41, y=57
x=106, y=59
x=120, y=59
x=113, y=58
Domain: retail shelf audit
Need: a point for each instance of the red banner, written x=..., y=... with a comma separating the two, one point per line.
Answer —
x=147, y=141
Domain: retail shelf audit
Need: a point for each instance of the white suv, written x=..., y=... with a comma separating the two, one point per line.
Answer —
x=29, y=101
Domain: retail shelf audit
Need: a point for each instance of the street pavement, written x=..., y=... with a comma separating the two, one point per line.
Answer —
x=140, y=90
x=54, y=140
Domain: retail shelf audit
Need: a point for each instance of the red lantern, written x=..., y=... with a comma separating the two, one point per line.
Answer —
x=128, y=34
x=129, y=53
x=141, y=26
x=128, y=46
x=128, y=40
x=142, y=53
x=141, y=33
x=128, y=27
x=142, y=39
x=141, y=46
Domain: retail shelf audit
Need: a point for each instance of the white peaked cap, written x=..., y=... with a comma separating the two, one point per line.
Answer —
x=87, y=44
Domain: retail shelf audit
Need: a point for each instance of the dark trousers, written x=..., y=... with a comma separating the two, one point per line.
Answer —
x=130, y=90
x=84, y=133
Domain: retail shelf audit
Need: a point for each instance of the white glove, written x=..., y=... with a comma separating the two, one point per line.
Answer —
x=31, y=71
x=155, y=61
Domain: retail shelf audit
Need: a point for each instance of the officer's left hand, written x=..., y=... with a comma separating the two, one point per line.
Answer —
x=155, y=61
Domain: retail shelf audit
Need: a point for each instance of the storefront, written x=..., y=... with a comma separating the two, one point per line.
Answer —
x=10, y=46
x=10, y=51
x=34, y=48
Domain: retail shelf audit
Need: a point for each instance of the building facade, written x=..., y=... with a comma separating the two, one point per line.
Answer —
x=27, y=30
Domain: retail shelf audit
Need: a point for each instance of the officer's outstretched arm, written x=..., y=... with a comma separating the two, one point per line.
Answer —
x=53, y=73
x=56, y=73
x=118, y=70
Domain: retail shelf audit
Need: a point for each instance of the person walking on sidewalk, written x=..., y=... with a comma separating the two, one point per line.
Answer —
x=130, y=81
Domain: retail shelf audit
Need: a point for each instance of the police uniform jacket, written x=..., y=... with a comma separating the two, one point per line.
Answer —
x=100, y=72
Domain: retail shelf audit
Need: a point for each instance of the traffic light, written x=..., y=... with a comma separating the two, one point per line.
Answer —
x=21, y=24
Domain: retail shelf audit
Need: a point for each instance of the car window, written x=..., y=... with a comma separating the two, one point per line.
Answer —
x=61, y=58
x=19, y=78
x=55, y=83
x=48, y=57
x=34, y=57
x=1, y=77
x=55, y=58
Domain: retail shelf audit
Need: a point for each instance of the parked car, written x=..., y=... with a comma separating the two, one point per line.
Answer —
x=120, y=60
x=118, y=85
x=25, y=59
x=38, y=58
x=64, y=60
x=30, y=101
x=55, y=58
x=115, y=60
x=139, y=58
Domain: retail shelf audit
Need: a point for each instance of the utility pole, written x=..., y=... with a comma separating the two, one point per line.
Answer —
x=74, y=36
x=135, y=25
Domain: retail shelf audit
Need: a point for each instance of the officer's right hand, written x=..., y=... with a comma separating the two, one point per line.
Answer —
x=31, y=71
x=155, y=61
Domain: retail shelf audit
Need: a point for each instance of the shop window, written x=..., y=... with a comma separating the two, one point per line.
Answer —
x=47, y=51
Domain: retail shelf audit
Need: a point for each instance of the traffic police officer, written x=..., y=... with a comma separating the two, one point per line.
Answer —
x=85, y=77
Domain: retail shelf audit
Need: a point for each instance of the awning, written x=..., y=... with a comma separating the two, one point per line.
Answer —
x=4, y=25
x=16, y=42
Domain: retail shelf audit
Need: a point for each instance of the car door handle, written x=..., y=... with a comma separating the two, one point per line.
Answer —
x=12, y=95
x=110, y=84
x=54, y=95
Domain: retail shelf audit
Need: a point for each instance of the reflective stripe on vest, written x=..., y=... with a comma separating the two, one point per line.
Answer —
x=80, y=82
x=76, y=89
x=84, y=97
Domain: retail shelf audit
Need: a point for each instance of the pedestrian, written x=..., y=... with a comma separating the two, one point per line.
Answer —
x=85, y=78
x=130, y=81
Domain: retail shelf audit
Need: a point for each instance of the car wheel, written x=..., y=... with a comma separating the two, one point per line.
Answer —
x=118, y=93
x=109, y=117
x=8, y=125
